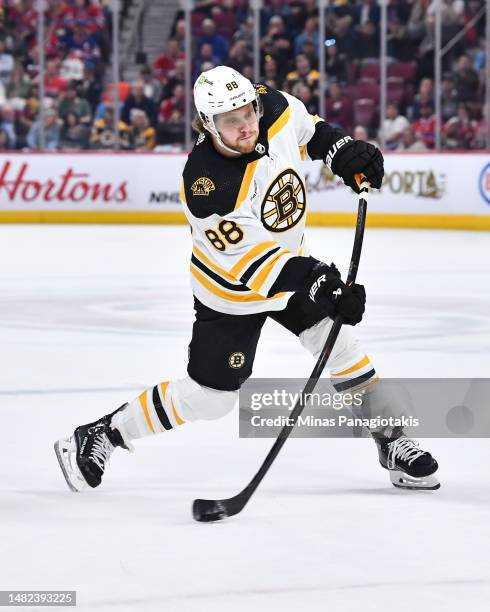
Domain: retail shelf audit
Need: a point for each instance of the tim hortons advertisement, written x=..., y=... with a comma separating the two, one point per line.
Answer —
x=87, y=182
x=454, y=184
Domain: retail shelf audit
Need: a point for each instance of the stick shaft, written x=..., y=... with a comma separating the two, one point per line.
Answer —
x=324, y=355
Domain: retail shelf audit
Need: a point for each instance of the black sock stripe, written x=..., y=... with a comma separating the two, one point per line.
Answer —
x=343, y=386
x=162, y=415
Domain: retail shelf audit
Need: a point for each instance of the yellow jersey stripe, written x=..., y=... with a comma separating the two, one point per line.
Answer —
x=360, y=364
x=302, y=152
x=279, y=123
x=177, y=417
x=144, y=404
x=245, y=186
x=266, y=270
x=229, y=295
x=182, y=193
x=211, y=265
x=256, y=250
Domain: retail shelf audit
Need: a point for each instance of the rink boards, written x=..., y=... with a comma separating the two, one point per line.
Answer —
x=449, y=190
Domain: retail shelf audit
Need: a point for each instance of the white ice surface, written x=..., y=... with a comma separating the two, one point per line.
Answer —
x=89, y=316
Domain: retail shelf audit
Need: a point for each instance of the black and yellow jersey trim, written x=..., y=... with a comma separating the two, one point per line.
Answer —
x=231, y=177
x=240, y=284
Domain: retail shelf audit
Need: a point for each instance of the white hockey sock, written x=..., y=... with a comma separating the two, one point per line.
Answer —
x=170, y=404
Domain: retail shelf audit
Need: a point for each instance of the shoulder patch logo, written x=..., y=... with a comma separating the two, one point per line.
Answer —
x=260, y=89
x=284, y=203
x=202, y=187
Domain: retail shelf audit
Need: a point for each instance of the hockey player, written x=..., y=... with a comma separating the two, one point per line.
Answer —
x=243, y=192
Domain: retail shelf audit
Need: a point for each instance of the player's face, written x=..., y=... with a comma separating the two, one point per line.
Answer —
x=239, y=128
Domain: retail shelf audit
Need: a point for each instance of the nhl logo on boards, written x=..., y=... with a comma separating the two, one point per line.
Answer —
x=284, y=203
x=236, y=360
x=202, y=187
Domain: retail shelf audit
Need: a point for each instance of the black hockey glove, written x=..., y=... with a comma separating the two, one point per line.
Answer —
x=349, y=157
x=327, y=289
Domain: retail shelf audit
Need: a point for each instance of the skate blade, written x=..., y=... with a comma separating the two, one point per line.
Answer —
x=65, y=450
x=402, y=480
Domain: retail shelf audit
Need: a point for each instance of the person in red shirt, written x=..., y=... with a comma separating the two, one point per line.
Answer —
x=164, y=65
x=54, y=84
x=425, y=127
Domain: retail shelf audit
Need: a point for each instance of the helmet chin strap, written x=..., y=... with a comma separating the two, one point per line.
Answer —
x=211, y=127
x=212, y=130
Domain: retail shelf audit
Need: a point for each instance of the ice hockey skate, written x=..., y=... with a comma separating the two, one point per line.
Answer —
x=408, y=465
x=84, y=456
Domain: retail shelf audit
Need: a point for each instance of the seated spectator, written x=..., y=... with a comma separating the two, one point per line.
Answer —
x=449, y=102
x=425, y=127
x=393, y=126
x=459, y=131
x=102, y=135
x=311, y=53
x=172, y=131
x=91, y=88
x=271, y=77
x=8, y=122
x=309, y=34
x=335, y=66
x=410, y=142
x=74, y=134
x=178, y=34
x=54, y=84
x=360, y=133
x=367, y=17
x=5, y=140
x=239, y=56
x=217, y=42
x=424, y=96
x=169, y=105
x=19, y=85
x=277, y=44
x=6, y=62
x=303, y=74
x=82, y=40
x=143, y=137
x=152, y=87
x=466, y=80
x=205, y=56
x=480, y=137
x=338, y=108
x=177, y=78
x=70, y=101
x=164, y=64
x=452, y=136
x=72, y=67
x=51, y=132
x=137, y=99
x=304, y=93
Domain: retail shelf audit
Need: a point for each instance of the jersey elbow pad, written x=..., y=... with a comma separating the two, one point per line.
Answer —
x=294, y=275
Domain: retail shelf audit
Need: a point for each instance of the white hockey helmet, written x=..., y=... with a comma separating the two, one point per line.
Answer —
x=221, y=90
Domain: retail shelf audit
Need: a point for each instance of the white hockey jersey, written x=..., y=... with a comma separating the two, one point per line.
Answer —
x=247, y=214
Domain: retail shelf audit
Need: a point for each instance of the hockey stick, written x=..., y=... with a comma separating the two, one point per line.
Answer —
x=209, y=510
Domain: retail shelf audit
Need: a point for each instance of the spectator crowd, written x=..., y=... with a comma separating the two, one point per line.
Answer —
x=78, y=110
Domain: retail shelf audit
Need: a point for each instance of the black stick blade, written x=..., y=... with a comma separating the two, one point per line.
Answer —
x=208, y=510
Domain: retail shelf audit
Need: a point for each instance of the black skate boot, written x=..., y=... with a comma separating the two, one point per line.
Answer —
x=409, y=466
x=84, y=455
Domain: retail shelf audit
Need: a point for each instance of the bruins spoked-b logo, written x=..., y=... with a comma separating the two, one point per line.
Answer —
x=284, y=203
x=202, y=186
x=236, y=360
